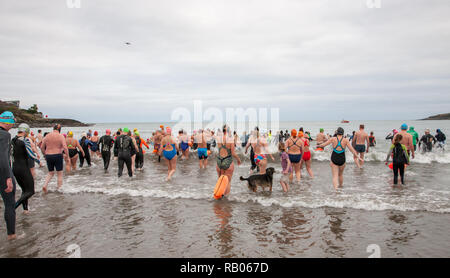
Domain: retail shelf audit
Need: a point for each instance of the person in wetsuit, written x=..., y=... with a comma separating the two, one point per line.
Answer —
x=7, y=181
x=440, y=138
x=105, y=143
x=124, y=145
x=140, y=154
x=20, y=154
x=372, y=140
x=427, y=141
x=85, y=143
x=400, y=158
x=338, y=161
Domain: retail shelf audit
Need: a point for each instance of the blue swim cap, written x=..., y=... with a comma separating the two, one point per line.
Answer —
x=404, y=127
x=7, y=118
x=438, y=131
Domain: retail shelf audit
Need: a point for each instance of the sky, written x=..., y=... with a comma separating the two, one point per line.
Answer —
x=312, y=59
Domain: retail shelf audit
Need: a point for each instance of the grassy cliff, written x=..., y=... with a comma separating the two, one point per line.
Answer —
x=35, y=119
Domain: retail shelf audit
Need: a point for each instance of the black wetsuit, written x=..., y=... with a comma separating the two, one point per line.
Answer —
x=139, y=161
x=428, y=140
x=6, y=173
x=84, y=143
x=252, y=159
x=124, y=145
x=399, y=159
x=21, y=170
x=105, y=143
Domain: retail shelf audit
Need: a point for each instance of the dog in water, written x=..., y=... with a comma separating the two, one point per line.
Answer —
x=264, y=180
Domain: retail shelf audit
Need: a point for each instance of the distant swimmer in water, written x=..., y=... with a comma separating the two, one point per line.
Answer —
x=202, y=148
x=53, y=146
x=74, y=146
x=169, y=151
x=294, y=146
x=407, y=140
x=359, y=141
x=225, y=164
x=372, y=140
x=400, y=158
x=105, y=143
x=183, y=138
x=306, y=157
x=338, y=162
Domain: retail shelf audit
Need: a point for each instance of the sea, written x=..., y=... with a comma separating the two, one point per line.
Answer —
x=101, y=215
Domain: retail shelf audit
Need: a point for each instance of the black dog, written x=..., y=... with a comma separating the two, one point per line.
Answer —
x=264, y=180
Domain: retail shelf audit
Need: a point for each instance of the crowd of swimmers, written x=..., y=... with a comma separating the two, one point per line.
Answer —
x=128, y=148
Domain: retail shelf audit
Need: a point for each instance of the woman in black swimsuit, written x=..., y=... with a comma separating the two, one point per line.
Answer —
x=338, y=162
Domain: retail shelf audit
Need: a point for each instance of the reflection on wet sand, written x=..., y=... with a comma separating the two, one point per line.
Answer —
x=224, y=230
x=400, y=231
x=335, y=241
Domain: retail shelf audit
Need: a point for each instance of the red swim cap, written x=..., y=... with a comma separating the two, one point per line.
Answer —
x=95, y=133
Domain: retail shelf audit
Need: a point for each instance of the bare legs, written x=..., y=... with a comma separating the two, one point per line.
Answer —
x=172, y=166
x=50, y=176
x=229, y=173
x=338, y=175
x=203, y=163
x=308, y=167
x=296, y=169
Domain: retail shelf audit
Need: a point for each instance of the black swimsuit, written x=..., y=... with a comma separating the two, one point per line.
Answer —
x=338, y=157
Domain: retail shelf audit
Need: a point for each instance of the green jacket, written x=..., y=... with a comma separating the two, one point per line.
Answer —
x=414, y=135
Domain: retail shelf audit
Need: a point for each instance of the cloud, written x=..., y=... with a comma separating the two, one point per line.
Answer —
x=315, y=60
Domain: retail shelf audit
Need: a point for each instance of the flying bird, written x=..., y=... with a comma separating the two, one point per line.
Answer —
x=128, y=43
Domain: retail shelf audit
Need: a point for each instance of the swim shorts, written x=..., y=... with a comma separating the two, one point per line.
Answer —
x=54, y=161
x=202, y=153
x=360, y=148
x=295, y=158
x=307, y=156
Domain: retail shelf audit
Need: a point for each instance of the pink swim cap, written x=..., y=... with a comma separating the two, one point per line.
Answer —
x=108, y=132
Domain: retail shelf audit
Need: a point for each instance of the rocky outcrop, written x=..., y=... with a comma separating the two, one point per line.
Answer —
x=438, y=117
x=36, y=120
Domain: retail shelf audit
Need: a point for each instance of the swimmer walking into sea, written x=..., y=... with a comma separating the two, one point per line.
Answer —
x=337, y=163
x=359, y=141
x=169, y=151
x=225, y=164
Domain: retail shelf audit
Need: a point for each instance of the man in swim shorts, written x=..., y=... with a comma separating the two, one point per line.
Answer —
x=407, y=140
x=359, y=141
x=321, y=137
x=53, y=146
x=202, y=148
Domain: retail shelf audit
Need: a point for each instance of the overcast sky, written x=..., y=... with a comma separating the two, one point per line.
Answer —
x=315, y=59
